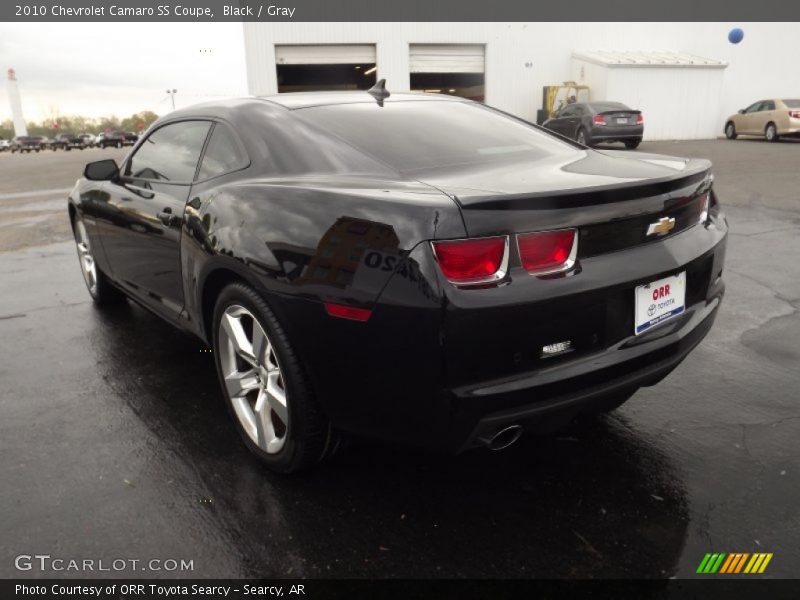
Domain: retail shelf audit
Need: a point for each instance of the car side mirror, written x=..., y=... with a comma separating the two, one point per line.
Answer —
x=101, y=170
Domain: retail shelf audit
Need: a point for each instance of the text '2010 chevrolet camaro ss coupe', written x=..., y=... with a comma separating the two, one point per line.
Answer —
x=416, y=268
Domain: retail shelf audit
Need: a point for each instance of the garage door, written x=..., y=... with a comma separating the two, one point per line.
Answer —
x=338, y=54
x=447, y=58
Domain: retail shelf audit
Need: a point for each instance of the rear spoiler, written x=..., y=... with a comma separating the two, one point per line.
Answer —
x=621, y=110
x=564, y=199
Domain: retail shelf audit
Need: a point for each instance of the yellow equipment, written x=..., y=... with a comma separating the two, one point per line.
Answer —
x=554, y=97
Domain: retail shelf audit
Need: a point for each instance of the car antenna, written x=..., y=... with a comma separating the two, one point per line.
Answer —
x=379, y=92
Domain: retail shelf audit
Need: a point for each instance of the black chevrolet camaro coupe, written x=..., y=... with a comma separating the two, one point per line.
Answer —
x=417, y=268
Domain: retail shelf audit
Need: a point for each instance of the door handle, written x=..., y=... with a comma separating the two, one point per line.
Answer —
x=167, y=218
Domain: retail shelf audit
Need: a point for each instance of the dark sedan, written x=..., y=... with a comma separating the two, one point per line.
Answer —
x=115, y=139
x=418, y=268
x=590, y=123
x=25, y=143
x=67, y=141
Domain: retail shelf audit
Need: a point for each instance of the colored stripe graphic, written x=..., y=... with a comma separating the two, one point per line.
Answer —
x=734, y=563
x=711, y=563
x=741, y=562
x=726, y=565
x=703, y=563
x=754, y=563
x=731, y=563
x=764, y=564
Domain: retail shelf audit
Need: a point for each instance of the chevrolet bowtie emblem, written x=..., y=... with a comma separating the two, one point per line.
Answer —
x=662, y=227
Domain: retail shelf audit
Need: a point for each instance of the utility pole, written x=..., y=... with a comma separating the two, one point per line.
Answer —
x=172, y=95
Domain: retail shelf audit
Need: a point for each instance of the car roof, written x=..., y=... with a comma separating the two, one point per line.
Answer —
x=225, y=109
x=294, y=100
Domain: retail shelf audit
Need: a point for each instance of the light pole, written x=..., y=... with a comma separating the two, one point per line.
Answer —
x=171, y=94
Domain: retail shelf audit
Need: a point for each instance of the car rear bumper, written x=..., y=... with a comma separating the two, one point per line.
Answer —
x=610, y=132
x=637, y=362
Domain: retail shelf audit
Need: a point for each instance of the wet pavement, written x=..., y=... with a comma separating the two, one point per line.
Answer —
x=115, y=443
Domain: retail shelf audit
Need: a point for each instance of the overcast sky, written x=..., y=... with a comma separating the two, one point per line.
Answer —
x=98, y=69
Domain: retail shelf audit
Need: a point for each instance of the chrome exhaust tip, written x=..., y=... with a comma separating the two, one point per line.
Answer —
x=503, y=438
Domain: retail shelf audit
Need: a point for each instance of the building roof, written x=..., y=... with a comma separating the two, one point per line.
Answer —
x=609, y=58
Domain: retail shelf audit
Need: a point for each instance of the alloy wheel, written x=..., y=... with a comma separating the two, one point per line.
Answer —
x=770, y=133
x=253, y=379
x=88, y=266
x=581, y=137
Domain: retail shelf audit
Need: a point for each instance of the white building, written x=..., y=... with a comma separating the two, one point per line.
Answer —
x=508, y=64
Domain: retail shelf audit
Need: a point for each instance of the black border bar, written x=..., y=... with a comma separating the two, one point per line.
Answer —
x=730, y=588
x=396, y=10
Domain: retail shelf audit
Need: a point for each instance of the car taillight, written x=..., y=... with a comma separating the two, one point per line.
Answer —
x=467, y=262
x=704, y=203
x=599, y=120
x=794, y=114
x=548, y=252
x=640, y=119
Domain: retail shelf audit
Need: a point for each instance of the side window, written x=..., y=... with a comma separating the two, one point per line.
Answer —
x=223, y=154
x=754, y=107
x=170, y=153
x=768, y=105
x=569, y=111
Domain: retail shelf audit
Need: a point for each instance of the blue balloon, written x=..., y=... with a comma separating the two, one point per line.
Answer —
x=735, y=35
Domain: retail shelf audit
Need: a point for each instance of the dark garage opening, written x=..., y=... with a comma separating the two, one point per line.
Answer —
x=308, y=78
x=466, y=85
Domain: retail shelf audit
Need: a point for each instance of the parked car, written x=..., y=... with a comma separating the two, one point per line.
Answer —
x=4, y=145
x=589, y=123
x=113, y=138
x=88, y=139
x=422, y=269
x=45, y=143
x=67, y=141
x=768, y=118
x=130, y=138
x=25, y=143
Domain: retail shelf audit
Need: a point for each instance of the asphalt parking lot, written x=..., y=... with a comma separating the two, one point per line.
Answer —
x=115, y=443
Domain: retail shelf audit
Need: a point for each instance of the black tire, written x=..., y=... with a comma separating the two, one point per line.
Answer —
x=103, y=293
x=582, y=137
x=730, y=131
x=771, y=133
x=632, y=144
x=310, y=438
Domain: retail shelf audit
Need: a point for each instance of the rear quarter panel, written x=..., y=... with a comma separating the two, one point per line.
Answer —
x=306, y=241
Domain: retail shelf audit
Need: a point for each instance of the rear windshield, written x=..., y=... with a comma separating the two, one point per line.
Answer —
x=409, y=135
x=606, y=106
x=795, y=103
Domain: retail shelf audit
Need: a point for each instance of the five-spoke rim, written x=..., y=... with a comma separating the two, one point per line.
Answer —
x=88, y=267
x=253, y=379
